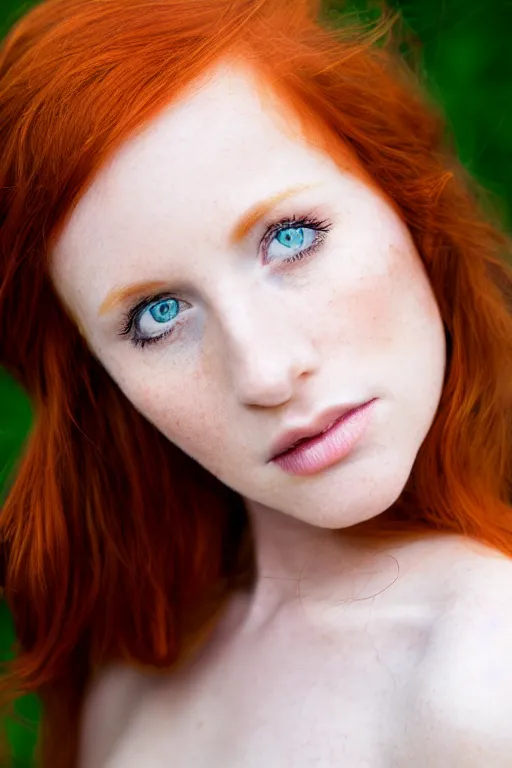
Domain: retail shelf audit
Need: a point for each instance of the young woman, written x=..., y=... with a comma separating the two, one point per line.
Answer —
x=263, y=517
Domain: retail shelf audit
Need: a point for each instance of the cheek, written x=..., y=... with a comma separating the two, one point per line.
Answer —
x=187, y=413
x=360, y=315
x=384, y=310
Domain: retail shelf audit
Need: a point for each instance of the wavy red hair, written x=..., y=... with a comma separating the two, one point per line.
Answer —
x=96, y=567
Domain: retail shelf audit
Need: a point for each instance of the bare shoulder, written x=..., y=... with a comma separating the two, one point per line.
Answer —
x=111, y=699
x=477, y=622
x=465, y=679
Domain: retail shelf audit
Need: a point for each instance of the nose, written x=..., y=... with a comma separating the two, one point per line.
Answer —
x=269, y=348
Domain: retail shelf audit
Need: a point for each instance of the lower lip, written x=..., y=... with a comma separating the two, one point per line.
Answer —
x=335, y=444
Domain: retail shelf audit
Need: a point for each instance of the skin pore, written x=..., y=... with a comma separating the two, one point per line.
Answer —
x=258, y=343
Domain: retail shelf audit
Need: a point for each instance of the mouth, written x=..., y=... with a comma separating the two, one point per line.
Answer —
x=293, y=438
x=303, y=440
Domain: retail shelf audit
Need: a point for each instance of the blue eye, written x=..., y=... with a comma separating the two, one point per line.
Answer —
x=292, y=239
x=298, y=237
x=157, y=314
x=149, y=318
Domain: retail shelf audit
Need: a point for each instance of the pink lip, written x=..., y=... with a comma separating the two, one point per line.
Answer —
x=292, y=437
x=322, y=450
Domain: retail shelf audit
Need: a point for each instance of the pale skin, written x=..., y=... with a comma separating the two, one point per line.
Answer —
x=345, y=665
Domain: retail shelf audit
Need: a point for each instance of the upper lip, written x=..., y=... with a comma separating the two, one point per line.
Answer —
x=320, y=423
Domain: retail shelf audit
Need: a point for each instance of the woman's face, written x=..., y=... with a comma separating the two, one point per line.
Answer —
x=259, y=330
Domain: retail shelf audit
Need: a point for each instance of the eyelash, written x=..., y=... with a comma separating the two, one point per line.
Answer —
x=322, y=227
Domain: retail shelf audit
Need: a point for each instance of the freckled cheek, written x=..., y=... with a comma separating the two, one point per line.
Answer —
x=359, y=317
x=173, y=409
x=386, y=306
x=373, y=318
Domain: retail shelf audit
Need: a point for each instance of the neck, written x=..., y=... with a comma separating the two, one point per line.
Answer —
x=298, y=564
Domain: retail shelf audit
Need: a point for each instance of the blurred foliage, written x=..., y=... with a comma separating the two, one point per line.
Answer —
x=465, y=63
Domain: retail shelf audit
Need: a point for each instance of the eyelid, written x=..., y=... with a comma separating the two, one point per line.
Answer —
x=286, y=210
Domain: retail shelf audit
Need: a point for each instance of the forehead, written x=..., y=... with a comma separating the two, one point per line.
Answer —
x=224, y=122
x=226, y=143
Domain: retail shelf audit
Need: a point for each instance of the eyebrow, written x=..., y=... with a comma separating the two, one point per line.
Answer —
x=244, y=225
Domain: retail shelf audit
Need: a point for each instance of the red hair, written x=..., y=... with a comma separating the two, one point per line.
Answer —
x=109, y=555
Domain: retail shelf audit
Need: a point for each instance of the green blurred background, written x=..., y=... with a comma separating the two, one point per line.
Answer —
x=466, y=63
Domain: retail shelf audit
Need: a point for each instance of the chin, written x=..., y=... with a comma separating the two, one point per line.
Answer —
x=361, y=499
